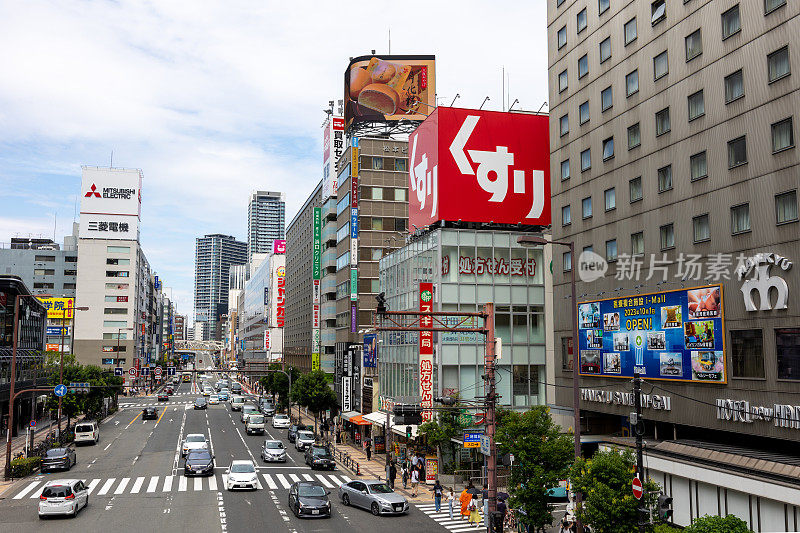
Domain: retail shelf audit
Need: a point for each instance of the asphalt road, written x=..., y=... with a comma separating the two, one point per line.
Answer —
x=135, y=474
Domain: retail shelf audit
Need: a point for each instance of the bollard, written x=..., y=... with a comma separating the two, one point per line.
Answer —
x=358, y=469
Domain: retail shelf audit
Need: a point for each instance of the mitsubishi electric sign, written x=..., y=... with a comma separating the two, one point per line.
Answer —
x=111, y=203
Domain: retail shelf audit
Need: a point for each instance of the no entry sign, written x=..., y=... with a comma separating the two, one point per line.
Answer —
x=637, y=488
x=132, y=372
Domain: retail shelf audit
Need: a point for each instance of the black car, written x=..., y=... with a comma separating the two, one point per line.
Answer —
x=292, y=433
x=200, y=403
x=199, y=463
x=309, y=498
x=317, y=456
x=163, y=397
x=149, y=413
x=58, y=459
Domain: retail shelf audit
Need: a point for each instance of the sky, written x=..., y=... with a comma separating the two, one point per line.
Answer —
x=213, y=100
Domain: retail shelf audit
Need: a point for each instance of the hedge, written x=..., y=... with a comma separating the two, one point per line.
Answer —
x=24, y=466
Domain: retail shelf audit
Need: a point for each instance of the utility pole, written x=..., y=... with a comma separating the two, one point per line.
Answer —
x=491, y=400
x=638, y=429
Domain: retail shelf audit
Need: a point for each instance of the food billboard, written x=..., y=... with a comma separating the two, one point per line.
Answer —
x=677, y=335
x=386, y=88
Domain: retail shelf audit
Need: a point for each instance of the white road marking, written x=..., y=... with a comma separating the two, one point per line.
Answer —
x=283, y=481
x=26, y=490
x=137, y=485
x=108, y=445
x=345, y=478
x=182, y=481
x=294, y=477
x=270, y=483
x=167, y=484
x=198, y=483
x=308, y=477
x=106, y=486
x=93, y=485
x=324, y=481
x=151, y=487
x=212, y=483
x=122, y=485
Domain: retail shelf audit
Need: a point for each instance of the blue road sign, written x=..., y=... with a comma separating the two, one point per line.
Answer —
x=473, y=436
x=145, y=371
x=170, y=370
x=33, y=423
x=119, y=371
x=60, y=390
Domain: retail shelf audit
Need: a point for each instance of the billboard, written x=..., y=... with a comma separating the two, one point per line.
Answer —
x=676, y=335
x=370, y=350
x=388, y=88
x=279, y=246
x=479, y=166
x=111, y=203
x=59, y=307
x=332, y=149
x=426, y=350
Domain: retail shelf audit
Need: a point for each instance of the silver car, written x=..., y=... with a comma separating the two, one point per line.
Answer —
x=273, y=450
x=63, y=497
x=375, y=496
x=303, y=440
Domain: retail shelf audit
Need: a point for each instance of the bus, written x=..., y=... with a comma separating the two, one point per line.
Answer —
x=187, y=377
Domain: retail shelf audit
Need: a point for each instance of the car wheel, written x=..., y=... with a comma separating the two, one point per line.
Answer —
x=74, y=511
x=345, y=500
x=375, y=509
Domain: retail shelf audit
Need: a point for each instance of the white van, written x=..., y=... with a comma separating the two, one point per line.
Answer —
x=87, y=432
x=236, y=403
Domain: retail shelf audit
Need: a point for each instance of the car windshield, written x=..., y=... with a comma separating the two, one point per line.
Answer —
x=242, y=468
x=319, y=451
x=256, y=419
x=200, y=400
x=311, y=491
x=379, y=488
x=304, y=435
x=274, y=445
x=249, y=409
x=55, y=452
x=60, y=491
x=83, y=428
x=199, y=456
x=281, y=417
x=195, y=438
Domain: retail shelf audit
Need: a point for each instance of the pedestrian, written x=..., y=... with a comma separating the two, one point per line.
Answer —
x=392, y=474
x=368, y=449
x=472, y=507
x=414, y=482
x=404, y=475
x=464, y=498
x=502, y=507
x=485, y=496
x=451, y=499
x=437, y=495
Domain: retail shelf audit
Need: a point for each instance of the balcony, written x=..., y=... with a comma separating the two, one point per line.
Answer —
x=329, y=232
x=329, y=257
x=328, y=337
x=328, y=310
x=328, y=284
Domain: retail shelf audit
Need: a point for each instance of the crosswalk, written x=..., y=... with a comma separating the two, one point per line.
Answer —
x=457, y=525
x=151, y=404
x=160, y=484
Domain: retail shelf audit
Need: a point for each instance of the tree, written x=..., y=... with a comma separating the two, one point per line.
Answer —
x=542, y=457
x=444, y=427
x=605, y=483
x=276, y=383
x=53, y=359
x=312, y=391
x=718, y=524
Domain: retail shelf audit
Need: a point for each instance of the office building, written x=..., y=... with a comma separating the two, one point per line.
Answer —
x=180, y=328
x=214, y=255
x=266, y=221
x=673, y=159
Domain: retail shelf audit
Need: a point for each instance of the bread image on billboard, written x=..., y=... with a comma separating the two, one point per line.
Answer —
x=389, y=88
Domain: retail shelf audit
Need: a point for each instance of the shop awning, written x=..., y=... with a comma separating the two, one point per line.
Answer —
x=347, y=415
x=360, y=421
x=378, y=418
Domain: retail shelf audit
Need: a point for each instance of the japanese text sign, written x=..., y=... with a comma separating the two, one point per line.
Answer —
x=426, y=350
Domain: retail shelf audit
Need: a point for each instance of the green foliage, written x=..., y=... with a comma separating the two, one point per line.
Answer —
x=90, y=404
x=312, y=391
x=24, y=466
x=666, y=528
x=605, y=482
x=542, y=456
x=277, y=384
x=446, y=426
x=53, y=360
x=718, y=524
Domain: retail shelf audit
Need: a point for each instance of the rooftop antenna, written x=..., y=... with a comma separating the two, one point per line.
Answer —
x=484, y=101
x=75, y=211
x=516, y=100
x=542, y=106
x=503, y=95
x=55, y=219
x=112, y=159
x=390, y=41
x=454, y=99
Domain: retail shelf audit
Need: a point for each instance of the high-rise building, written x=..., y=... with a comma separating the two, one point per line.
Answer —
x=674, y=160
x=214, y=255
x=266, y=221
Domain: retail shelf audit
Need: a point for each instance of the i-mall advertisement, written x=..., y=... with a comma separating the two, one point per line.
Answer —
x=676, y=335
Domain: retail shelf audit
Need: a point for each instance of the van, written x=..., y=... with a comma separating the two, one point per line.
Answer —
x=256, y=423
x=86, y=432
x=236, y=403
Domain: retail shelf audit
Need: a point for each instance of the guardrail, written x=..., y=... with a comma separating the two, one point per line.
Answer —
x=343, y=457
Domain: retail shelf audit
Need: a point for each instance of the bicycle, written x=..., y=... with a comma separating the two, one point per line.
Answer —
x=513, y=522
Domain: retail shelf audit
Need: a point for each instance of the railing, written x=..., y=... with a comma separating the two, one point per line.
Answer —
x=52, y=441
x=344, y=458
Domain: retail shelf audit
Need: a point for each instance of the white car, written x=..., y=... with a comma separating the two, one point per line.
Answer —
x=281, y=421
x=87, y=432
x=213, y=399
x=207, y=391
x=304, y=440
x=194, y=441
x=241, y=475
x=63, y=497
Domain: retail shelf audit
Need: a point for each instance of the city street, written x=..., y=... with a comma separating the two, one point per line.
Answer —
x=135, y=477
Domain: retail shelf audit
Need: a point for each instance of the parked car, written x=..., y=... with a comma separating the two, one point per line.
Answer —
x=303, y=439
x=256, y=424
x=375, y=496
x=63, y=497
x=200, y=403
x=247, y=410
x=87, y=432
x=149, y=413
x=293, y=429
x=318, y=456
x=241, y=475
x=213, y=399
x=281, y=421
x=194, y=441
x=199, y=463
x=58, y=459
x=309, y=498
x=273, y=450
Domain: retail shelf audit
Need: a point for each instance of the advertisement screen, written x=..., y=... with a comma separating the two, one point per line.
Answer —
x=676, y=335
x=389, y=88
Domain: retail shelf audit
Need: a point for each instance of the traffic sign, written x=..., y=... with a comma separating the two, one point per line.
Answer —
x=60, y=390
x=33, y=423
x=171, y=371
x=157, y=371
x=132, y=372
x=472, y=439
x=145, y=371
x=485, y=445
x=119, y=371
x=637, y=488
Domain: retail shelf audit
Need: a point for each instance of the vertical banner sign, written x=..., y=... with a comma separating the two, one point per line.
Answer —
x=346, y=394
x=266, y=340
x=315, y=342
x=280, y=299
x=354, y=235
x=426, y=350
x=370, y=350
x=317, y=268
x=316, y=275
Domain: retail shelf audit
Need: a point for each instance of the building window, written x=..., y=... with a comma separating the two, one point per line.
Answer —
x=786, y=207
x=583, y=112
x=782, y=135
x=70, y=272
x=660, y=65
x=606, y=99
x=562, y=37
x=697, y=166
x=611, y=250
x=44, y=272
x=116, y=273
x=44, y=258
x=667, y=236
x=658, y=10
x=377, y=163
x=730, y=22
x=115, y=311
x=632, y=83
x=697, y=106
x=582, y=20
x=115, y=323
x=603, y=5
x=662, y=122
x=563, y=124
x=41, y=285
x=583, y=66
x=665, y=178
x=608, y=149
x=778, y=64
x=71, y=259
x=562, y=81
x=747, y=353
x=630, y=31
x=637, y=243
x=401, y=165
x=694, y=45
x=740, y=219
x=610, y=196
x=737, y=152
x=586, y=160
x=586, y=207
x=588, y=248
x=565, y=169
x=117, y=286
x=635, y=189
x=734, y=86
x=567, y=260
x=118, y=249
x=772, y=5
x=702, y=231
x=69, y=286
x=787, y=346
x=634, y=136
x=566, y=215
x=116, y=261
x=605, y=49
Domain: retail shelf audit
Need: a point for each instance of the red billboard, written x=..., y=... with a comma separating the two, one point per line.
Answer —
x=480, y=166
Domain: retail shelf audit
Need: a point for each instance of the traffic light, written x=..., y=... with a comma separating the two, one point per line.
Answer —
x=407, y=414
x=381, y=308
x=665, y=507
x=408, y=432
x=446, y=400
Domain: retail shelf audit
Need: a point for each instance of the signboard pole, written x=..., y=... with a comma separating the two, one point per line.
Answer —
x=637, y=401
